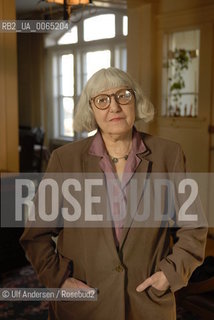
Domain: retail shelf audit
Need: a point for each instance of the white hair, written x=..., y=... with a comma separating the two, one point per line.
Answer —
x=102, y=80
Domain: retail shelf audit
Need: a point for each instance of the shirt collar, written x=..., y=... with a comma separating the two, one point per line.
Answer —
x=97, y=147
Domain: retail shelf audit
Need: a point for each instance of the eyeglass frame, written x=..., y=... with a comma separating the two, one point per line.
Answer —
x=113, y=95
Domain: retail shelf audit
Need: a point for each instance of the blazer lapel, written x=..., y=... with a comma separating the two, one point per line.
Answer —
x=91, y=166
x=91, y=169
x=136, y=192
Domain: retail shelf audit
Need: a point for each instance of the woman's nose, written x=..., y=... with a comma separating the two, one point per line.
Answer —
x=114, y=105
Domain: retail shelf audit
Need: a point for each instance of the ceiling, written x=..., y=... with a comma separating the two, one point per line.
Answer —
x=24, y=6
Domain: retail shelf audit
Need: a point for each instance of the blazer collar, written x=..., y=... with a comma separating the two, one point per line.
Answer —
x=96, y=150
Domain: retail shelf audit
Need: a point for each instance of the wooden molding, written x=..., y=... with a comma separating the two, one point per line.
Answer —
x=191, y=17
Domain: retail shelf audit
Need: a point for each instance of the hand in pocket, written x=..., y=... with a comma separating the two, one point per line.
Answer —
x=158, y=281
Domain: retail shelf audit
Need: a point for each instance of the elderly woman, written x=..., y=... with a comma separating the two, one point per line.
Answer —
x=135, y=270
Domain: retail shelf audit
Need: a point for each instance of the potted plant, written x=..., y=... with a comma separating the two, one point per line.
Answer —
x=178, y=62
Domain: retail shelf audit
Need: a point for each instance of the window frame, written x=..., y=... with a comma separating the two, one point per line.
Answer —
x=79, y=49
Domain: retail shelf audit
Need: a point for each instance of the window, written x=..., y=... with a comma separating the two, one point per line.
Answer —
x=66, y=96
x=181, y=74
x=69, y=37
x=99, y=27
x=125, y=25
x=95, y=61
x=93, y=43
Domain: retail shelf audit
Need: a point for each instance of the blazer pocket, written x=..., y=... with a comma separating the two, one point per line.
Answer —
x=158, y=293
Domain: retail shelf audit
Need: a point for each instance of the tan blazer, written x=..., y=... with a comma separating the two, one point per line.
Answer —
x=92, y=255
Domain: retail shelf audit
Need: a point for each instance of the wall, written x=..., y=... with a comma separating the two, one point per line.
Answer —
x=31, y=79
x=140, y=48
x=148, y=21
x=8, y=93
x=169, y=6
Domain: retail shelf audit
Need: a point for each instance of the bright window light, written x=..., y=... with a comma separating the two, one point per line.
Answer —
x=67, y=74
x=69, y=37
x=125, y=25
x=97, y=60
x=99, y=27
x=67, y=116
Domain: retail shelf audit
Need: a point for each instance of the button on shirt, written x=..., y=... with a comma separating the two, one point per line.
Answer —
x=117, y=190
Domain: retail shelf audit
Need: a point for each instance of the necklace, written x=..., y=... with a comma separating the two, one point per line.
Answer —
x=125, y=157
x=115, y=160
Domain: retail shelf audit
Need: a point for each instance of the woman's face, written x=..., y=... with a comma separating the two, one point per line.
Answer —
x=117, y=118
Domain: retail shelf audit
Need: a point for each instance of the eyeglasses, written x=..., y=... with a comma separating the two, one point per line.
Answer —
x=122, y=96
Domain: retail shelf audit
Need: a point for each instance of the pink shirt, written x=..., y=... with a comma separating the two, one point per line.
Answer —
x=116, y=188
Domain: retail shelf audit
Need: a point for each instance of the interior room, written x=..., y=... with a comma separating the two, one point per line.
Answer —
x=166, y=46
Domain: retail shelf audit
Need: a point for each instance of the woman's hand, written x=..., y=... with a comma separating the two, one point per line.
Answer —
x=158, y=280
x=72, y=283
